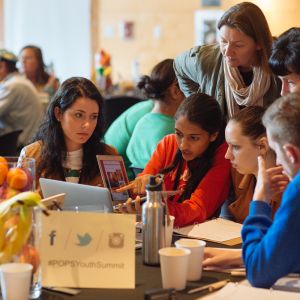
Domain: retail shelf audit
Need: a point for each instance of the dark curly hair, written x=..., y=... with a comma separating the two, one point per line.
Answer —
x=161, y=78
x=203, y=111
x=52, y=136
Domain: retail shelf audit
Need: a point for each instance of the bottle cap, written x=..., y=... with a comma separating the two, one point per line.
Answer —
x=153, y=184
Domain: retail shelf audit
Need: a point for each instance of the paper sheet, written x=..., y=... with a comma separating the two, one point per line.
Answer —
x=216, y=230
x=235, y=291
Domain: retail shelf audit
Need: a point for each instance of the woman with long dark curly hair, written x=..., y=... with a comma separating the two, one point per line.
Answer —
x=68, y=140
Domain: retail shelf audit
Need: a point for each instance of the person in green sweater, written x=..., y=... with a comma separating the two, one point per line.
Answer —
x=136, y=133
x=120, y=131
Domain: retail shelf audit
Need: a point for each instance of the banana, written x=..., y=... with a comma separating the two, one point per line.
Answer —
x=2, y=234
x=16, y=223
x=29, y=199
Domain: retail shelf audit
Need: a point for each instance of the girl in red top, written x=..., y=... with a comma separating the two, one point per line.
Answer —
x=192, y=161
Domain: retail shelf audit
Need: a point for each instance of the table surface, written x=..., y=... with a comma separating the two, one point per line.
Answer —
x=147, y=278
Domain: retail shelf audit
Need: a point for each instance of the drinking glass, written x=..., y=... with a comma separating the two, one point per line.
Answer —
x=17, y=176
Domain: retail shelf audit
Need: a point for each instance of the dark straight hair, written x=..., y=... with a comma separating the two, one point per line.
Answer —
x=161, y=78
x=203, y=111
x=285, y=57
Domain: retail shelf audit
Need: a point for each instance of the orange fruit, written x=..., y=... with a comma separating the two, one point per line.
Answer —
x=30, y=255
x=16, y=178
x=9, y=192
x=3, y=169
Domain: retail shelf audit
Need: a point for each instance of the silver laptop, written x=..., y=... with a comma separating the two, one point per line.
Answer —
x=79, y=197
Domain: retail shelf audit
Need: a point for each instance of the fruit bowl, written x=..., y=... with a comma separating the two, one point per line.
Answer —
x=20, y=233
x=16, y=176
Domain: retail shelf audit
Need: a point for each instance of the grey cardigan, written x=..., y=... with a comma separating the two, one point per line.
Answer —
x=200, y=69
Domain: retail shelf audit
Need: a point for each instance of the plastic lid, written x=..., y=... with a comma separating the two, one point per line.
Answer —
x=153, y=185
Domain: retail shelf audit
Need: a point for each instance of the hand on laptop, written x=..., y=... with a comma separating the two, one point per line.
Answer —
x=131, y=206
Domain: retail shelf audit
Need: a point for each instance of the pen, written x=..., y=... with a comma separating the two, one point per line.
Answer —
x=67, y=291
x=293, y=275
x=210, y=287
x=238, y=273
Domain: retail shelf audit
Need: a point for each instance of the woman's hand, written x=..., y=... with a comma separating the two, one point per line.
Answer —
x=262, y=187
x=222, y=257
x=131, y=208
x=278, y=180
x=138, y=185
x=269, y=182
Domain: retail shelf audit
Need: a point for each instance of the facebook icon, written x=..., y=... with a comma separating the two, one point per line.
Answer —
x=52, y=235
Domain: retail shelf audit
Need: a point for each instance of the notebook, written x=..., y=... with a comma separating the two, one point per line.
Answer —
x=79, y=197
x=216, y=230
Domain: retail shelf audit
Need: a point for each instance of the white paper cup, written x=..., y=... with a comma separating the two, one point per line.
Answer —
x=15, y=281
x=195, y=259
x=173, y=265
x=169, y=231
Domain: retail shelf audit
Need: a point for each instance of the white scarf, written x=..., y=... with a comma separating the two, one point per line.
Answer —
x=237, y=93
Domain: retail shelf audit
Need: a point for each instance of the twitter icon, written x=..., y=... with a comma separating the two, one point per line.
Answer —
x=84, y=240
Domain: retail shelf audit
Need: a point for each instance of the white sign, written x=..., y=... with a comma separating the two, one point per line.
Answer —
x=88, y=250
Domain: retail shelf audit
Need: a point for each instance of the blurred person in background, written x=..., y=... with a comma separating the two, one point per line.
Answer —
x=33, y=66
x=20, y=107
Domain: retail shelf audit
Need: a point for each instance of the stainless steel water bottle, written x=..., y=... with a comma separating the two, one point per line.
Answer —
x=153, y=219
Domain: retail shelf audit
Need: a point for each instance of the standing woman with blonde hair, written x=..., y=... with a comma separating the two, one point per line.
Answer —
x=236, y=70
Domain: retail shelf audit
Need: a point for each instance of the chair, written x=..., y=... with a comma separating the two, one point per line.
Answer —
x=114, y=106
x=9, y=143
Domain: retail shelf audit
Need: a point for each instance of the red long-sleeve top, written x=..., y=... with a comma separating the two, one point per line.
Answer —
x=209, y=195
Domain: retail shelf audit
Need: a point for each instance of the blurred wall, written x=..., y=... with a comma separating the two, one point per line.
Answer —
x=62, y=28
x=1, y=25
x=164, y=28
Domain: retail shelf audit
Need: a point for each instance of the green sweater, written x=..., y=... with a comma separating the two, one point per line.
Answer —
x=119, y=133
x=149, y=130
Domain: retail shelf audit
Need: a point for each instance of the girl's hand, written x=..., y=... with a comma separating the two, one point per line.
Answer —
x=138, y=185
x=262, y=187
x=278, y=180
x=222, y=257
x=270, y=182
x=131, y=208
